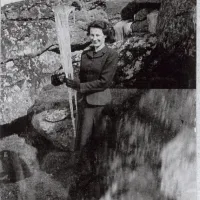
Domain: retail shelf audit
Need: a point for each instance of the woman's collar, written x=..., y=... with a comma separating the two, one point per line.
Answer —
x=97, y=54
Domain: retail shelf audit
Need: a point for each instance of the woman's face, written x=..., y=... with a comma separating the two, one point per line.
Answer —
x=97, y=37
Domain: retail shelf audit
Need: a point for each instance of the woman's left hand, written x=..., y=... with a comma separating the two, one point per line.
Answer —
x=74, y=84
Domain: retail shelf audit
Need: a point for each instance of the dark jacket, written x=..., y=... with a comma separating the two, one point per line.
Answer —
x=96, y=74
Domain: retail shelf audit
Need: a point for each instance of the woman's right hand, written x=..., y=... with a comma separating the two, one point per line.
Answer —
x=58, y=78
x=73, y=83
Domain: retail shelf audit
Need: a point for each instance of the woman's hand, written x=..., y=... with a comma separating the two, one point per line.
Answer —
x=74, y=84
x=58, y=77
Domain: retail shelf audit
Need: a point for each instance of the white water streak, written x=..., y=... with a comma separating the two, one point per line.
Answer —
x=62, y=27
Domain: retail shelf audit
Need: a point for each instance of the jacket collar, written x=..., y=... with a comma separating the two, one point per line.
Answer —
x=91, y=53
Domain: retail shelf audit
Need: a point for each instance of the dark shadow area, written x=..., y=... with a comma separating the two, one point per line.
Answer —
x=173, y=69
x=162, y=69
x=132, y=8
x=16, y=127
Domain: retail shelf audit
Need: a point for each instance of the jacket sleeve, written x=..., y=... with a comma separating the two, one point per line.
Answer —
x=105, y=78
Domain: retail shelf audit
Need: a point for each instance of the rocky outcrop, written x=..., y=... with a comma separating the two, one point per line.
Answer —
x=139, y=26
x=25, y=152
x=60, y=165
x=20, y=176
x=172, y=64
x=53, y=99
x=132, y=56
x=113, y=8
x=31, y=37
x=40, y=186
x=37, y=9
x=141, y=15
x=177, y=43
x=177, y=24
x=61, y=133
x=22, y=80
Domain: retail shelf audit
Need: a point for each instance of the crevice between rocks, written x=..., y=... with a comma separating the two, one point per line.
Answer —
x=17, y=126
x=54, y=48
x=30, y=19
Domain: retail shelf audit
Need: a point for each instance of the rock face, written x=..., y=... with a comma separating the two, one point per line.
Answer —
x=60, y=133
x=20, y=38
x=22, y=80
x=172, y=63
x=40, y=186
x=141, y=15
x=31, y=37
x=176, y=34
x=179, y=15
x=26, y=152
x=139, y=26
x=60, y=165
x=132, y=56
x=20, y=176
x=113, y=8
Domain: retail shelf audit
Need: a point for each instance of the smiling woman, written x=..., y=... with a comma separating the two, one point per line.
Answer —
x=97, y=38
x=98, y=66
x=97, y=69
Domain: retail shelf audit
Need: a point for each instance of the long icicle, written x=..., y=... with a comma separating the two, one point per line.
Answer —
x=62, y=27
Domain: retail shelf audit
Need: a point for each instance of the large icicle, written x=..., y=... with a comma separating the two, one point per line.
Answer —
x=61, y=13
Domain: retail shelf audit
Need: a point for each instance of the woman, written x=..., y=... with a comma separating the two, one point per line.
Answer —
x=97, y=69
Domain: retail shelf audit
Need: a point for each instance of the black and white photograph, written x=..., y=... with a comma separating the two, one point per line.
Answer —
x=98, y=100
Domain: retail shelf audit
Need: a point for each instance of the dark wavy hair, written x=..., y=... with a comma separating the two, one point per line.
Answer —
x=107, y=29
